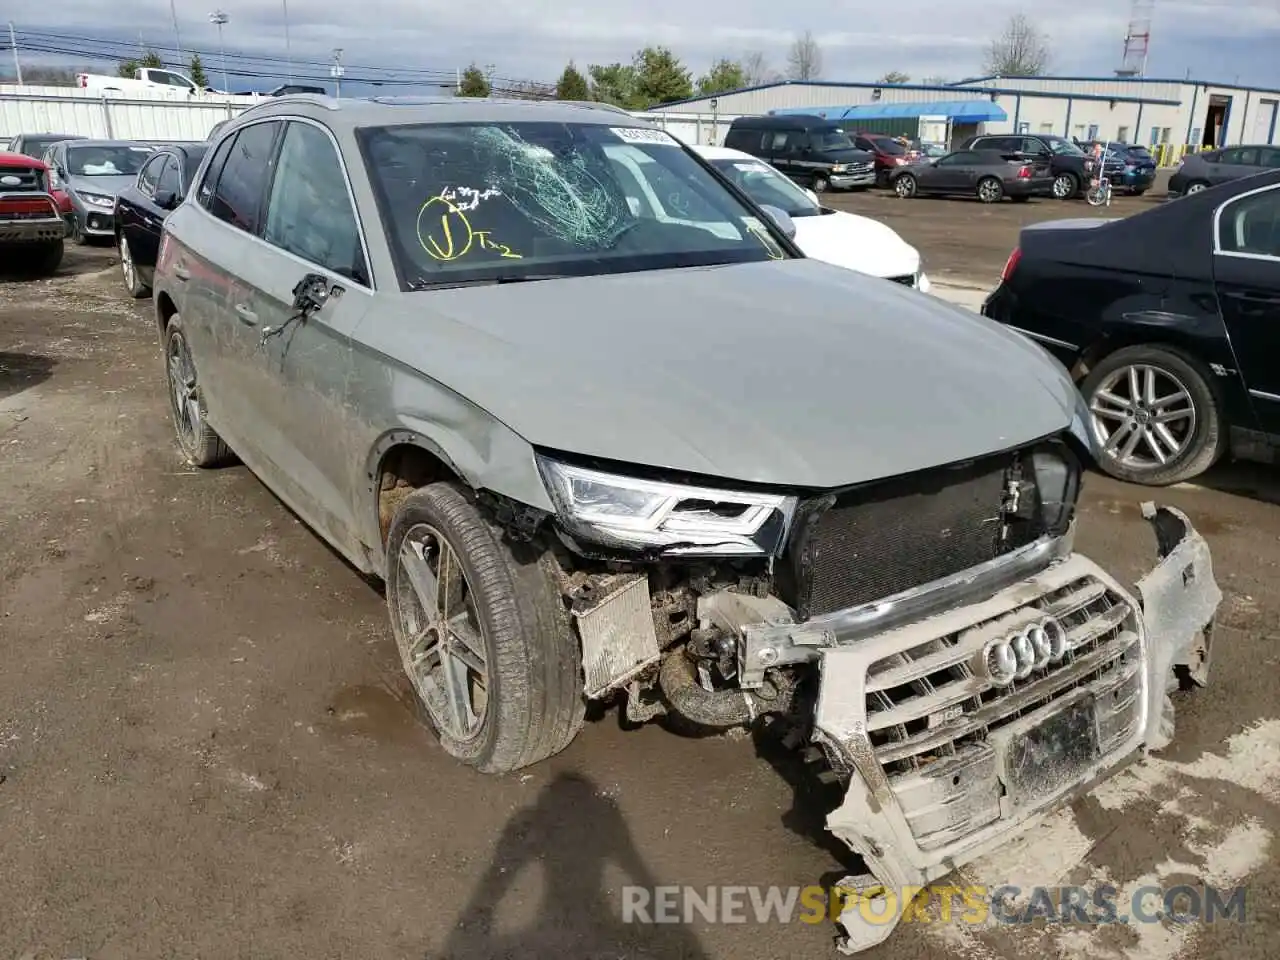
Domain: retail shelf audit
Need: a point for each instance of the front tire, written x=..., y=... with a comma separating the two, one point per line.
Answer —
x=1065, y=186
x=1156, y=416
x=821, y=184
x=201, y=446
x=1196, y=187
x=905, y=186
x=482, y=632
x=78, y=235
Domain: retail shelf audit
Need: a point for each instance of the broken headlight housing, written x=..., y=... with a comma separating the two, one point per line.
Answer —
x=621, y=512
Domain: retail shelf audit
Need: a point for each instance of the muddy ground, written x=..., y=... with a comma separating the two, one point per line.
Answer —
x=206, y=748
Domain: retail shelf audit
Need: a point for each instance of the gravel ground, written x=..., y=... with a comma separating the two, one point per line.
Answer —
x=206, y=748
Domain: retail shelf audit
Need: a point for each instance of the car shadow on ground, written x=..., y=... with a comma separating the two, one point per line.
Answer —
x=22, y=371
x=1257, y=481
x=570, y=835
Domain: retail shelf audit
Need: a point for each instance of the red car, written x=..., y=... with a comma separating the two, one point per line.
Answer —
x=32, y=215
x=888, y=152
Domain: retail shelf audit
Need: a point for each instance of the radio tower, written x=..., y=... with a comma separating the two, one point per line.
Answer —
x=1137, y=39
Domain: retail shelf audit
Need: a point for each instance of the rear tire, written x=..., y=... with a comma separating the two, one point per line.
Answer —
x=1208, y=436
x=201, y=446
x=990, y=190
x=1196, y=187
x=533, y=704
x=46, y=258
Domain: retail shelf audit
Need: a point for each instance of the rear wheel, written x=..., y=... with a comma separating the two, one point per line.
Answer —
x=1156, y=416
x=132, y=282
x=990, y=190
x=200, y=443
x=46, y=258
x=482, y=633
x=905, y=186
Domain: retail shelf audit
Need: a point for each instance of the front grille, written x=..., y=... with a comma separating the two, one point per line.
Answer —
x=28, y=179
x=934, y=724
x=861, y=167
x=877, y=540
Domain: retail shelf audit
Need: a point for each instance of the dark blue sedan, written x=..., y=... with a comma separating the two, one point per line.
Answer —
x=1129, y=166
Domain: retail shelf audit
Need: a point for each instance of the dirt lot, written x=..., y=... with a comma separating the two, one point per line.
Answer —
x=205, y=748
x=975, y=252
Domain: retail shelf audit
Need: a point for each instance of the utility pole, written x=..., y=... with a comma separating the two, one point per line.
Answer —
x=336, y=72
x=17, y=64
x=288, y=55
x=220, y=19
x=177, y=36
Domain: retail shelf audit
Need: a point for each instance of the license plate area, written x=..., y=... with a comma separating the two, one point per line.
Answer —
x=1043, y=756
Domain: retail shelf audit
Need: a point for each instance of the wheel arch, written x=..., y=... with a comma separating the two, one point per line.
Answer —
x=165, y=308
x=401, y=461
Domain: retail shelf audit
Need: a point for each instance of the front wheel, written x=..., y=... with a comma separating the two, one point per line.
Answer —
x=821, y=184
x=200, y=443
x=78, y=236
x=1098, y=195
x=1155, y=415
x=905, y=186
x=990, y=190
x=482, y=634
x=1065, y=186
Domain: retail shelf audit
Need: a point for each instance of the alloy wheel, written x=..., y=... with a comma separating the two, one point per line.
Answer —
x=1195, y=188
x=1063, y=187
x=989, y=191
x=1143, y=416
x=127, y=266
x=905, y=186
x=441, y=643
x=184, y=398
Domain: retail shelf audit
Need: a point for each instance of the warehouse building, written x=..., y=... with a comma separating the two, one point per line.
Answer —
x=1170, y=116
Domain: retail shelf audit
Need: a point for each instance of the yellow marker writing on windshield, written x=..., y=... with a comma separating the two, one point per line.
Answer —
x=446, y=234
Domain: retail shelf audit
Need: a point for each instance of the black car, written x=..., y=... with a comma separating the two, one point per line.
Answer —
x=142, y=207
x=1170, y=322
x=38, y=144
x=1071, y=167
x=285, y=89
x=811, y=150
x=986, y=174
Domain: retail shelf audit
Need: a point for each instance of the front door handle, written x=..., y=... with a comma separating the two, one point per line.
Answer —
x=182, y=273
x=247, y=316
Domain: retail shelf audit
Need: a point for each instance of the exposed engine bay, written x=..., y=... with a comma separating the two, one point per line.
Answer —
x=933, y=638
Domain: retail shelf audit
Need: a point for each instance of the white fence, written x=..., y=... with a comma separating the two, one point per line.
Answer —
x=121, y=115
x=118, y=115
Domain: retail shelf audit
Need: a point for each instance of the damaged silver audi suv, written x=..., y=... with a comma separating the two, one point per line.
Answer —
x=607, y=435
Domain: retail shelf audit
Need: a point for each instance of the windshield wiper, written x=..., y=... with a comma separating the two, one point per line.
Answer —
x=422, y=283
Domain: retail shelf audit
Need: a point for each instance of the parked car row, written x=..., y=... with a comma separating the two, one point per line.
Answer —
x=820, y=154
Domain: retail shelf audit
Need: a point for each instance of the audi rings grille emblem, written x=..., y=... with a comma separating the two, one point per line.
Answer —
x=1033, y=647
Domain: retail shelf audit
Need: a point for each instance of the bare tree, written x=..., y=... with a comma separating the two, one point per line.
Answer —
x=804, y=61
x=755, y=69
x=894, y=77
x=1019, y=51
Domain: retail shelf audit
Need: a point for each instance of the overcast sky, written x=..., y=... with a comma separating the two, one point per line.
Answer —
x=1214, y=39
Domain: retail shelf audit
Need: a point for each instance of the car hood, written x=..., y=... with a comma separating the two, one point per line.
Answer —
x=795, y=373
x=856, y=243
x=106, y=185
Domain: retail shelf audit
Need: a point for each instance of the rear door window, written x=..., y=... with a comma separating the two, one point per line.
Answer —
x=238, y=195
x=149, y=176
x=1251, y=225
x=170, y=178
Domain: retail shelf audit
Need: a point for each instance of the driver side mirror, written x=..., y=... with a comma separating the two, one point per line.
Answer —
x=781, y=219
x=311, y=293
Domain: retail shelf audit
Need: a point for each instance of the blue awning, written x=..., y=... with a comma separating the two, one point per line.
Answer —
x=978, y=110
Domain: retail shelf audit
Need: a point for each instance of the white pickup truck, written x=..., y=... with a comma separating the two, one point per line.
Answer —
x=167, y=82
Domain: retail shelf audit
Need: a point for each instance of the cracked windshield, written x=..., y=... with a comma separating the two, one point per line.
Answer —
x=521, y=200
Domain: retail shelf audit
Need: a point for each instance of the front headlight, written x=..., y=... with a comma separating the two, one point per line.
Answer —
x=837, y=168
x=96, y=199
x=630, y=513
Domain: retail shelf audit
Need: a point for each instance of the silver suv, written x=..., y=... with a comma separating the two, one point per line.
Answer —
x=605, y=434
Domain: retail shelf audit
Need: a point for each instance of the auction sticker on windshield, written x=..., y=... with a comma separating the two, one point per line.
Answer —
x=641, y=135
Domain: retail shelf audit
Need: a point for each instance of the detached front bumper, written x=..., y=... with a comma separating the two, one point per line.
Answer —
x=945, y=763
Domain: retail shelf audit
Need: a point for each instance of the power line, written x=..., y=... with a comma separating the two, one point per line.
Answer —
x=73, y=45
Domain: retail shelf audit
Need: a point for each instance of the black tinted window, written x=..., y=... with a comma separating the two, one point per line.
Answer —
x=956, y=159
x=742, y=138
x=205, y=195
x=150, y=175
x=310, y=213
x=1251, y=224
x=170, y=178
x=238, y=197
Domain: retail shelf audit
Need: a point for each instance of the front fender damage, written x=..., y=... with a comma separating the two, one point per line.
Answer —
x=1178, y=602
